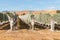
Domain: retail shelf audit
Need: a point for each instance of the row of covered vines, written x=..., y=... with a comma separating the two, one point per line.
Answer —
x=42, y=18
x=46, y=17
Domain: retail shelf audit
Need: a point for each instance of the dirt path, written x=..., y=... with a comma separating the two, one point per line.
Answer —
x=29, y=35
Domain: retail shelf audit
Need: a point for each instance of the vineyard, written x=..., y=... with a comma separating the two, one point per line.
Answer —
x=14, y=27
x=40, y=19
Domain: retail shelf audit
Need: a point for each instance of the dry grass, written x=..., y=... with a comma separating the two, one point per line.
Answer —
x=29, y=35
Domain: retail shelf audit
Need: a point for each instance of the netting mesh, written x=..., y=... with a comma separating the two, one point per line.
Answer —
x=43, y=18
x=26, y=18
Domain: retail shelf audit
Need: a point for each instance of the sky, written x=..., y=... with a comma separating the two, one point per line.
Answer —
x=16, y=5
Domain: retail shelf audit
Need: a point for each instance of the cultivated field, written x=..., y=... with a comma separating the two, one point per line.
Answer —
x=25, y=34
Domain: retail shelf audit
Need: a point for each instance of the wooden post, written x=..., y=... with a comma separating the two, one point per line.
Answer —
x=32, y=24
x=11, y=22
x=52, y=25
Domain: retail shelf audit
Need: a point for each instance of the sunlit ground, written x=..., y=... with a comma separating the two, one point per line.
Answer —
x=25, y=34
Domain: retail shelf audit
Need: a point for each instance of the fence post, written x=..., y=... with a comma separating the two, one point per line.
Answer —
x=52, y=24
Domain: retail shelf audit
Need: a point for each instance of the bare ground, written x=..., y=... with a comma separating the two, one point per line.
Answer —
x=29, y=35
